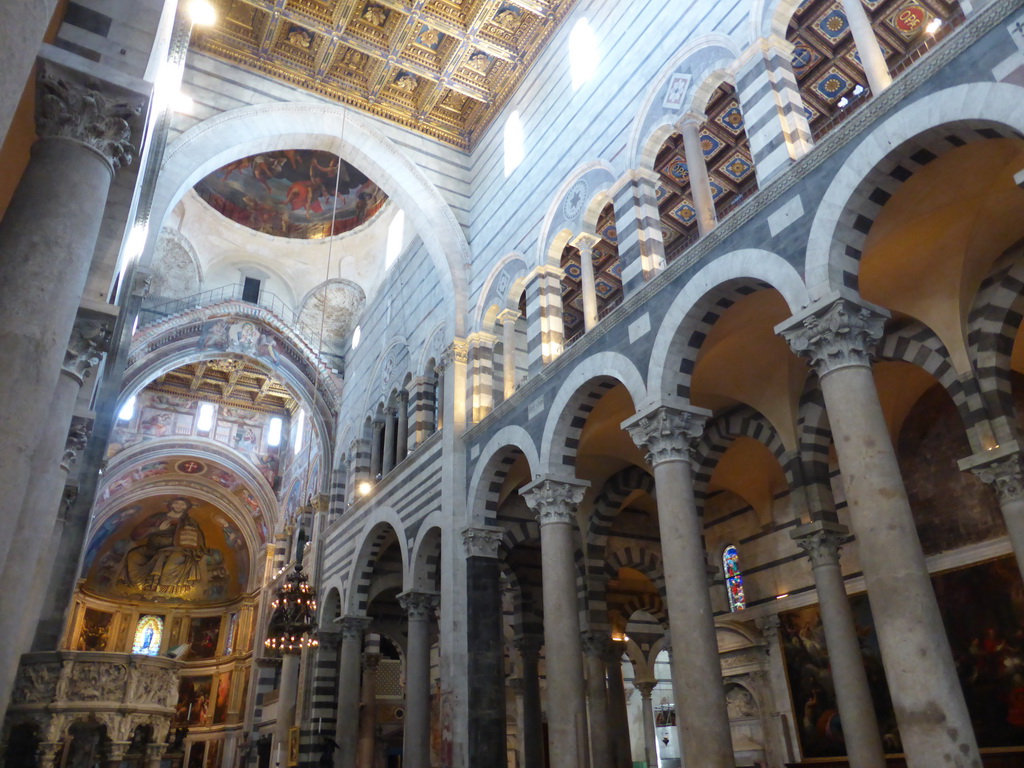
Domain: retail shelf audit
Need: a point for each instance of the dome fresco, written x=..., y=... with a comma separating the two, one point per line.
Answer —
x=291, y=193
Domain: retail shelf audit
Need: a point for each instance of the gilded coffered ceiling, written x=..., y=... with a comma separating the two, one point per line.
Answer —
x=441, y=67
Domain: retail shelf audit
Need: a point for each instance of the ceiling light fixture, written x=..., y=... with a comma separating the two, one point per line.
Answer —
x=202, y=13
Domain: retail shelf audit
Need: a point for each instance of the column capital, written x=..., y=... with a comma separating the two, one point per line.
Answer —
x=456, y=352
x=78, y=438
x=666, y=431
x=554, y=498
x=614, y=650
x=646, y=688
x=69, y=106
x=481, y=339
x=419, y=606
x=528, y=645
x=545, y=270
x=321, y=502
x=1002, y=468
x=508, y=316
x=585, y=240
x=595, y=643
x=822, y=541
x=835, y=332
x=482, y=540
x=353, y=627
x=90, y=339
x=769, y=626
x=691, y=119
x=370, y=660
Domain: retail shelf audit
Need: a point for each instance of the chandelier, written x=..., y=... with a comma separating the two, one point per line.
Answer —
x=293, y=623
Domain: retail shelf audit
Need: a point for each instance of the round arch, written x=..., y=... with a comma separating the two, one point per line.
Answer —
x=495, y=452
x=380, y=523
x=331, y=128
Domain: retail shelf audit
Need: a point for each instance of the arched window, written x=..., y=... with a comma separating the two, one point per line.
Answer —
x=583, y=55
x=148, y=634
x=733, y=578
x=513, y=140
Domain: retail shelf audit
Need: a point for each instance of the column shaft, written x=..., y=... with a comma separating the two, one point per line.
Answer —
x=376, y=450
x=416, y=744
x=587, y=287
x=346, y=729
x=367, y=748
x=597, y=700
x=532, y=731
x=403, y=426
x=650, y=736
x=871, y=55
x=700, y=183
x=617, y=712
x=286, y=705
x=389, y=440
x=508, y=347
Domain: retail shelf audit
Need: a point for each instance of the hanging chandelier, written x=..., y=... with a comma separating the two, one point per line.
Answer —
x=293, y=623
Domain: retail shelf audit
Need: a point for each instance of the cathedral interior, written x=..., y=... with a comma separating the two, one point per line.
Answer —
x=512, y=383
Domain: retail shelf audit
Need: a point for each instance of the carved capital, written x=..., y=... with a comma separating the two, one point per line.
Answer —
x=528, y=645
x=646, y=688
x=482, y=541
x=666, y=432
x=370, y=661
x=508, y=316
x=769, y=626
x=835, y=333
x=595, y=643
x=456, y=352
x=321, y=502
x=78, y=111
x=822, y=541
x=67, y=501
x=88, y=344
x=78, y=438
x=141, y=283
x=1006, y=476
x=419, y=606
x=554, y=499
x=353, y=627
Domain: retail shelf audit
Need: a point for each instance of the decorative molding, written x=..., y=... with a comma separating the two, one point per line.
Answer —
x=666, y=433
x=78, y=111
x=419, y=606
x=555, y=500
x=90, y=339
x=78, y=438
x=482, y=541
x=837, y=332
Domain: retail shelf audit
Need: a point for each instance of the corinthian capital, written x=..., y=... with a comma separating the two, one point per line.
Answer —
x=353, y=627
x=78, y=111
x=554, y=499
x=822, y=541
x=666, y=432
x=1005, y=475
x=836, y=332
x=419, y=606
x=482, y=541
x=88, y=343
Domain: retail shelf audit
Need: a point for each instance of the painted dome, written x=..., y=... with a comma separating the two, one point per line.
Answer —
x=291, y=193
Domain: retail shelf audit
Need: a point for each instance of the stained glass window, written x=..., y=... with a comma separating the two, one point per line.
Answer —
x=733, y=578
x=148, y=634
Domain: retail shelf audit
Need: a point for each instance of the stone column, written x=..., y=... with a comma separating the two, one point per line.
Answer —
x=871, y=56
x=367, y=749
x=403, y=425
x=781, y=734
x=116, y=751
x=555, y=501
x=646, y=688
x=822, y=540
x=439, y=391
x=390, y=425
x=289, y=692
x=346, y=729
x=617, y=712
x=1001, y=468
x=838, y=334
x=641, y=246
x=481, y=373
x=507, y=318
x=83, y=139
x=595, y=648
x=422, y=391
x=486, y=664
x=585, y=244
x=531, y=731
x=154, y=755
x=545, y=332
x=376, y=450
x=700, y=183
x=665, y=432
x=419, y=606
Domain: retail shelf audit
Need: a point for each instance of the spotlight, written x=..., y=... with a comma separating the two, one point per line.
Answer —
x=933, y=26
x=365, y=487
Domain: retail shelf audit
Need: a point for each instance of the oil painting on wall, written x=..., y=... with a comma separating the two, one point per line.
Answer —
x=294, y=193
x=168, y=549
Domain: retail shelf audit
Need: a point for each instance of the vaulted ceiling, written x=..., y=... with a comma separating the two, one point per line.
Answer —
x=441, y=67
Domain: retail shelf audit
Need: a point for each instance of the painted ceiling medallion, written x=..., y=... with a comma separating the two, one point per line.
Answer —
x=441, y=67
x=292, y=193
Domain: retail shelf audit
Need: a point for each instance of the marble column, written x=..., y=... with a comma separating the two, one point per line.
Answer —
x=555, y=501
x=83, y=138
x=346, y=729
x=289, y=692
x=367, y=747
x=390, y=427
x=871, y=56
x=507, y=318
x=617, y=712
x=486, y=664
x=403, y=426
x=585, y=244
x=665, y=432
x=531, y=730
x=838, y=335
x=376, y=449
x=154, y=755
x=822, y=540
x=646, y=688
x=696, y=166
x=419, y=607
x=1002, y=468
x=781, y=734
x=439, y=391
x=595, y=648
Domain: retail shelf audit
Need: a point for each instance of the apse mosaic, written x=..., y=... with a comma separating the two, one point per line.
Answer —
x=182, y=467
x=303, y=194
x=168, y=549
